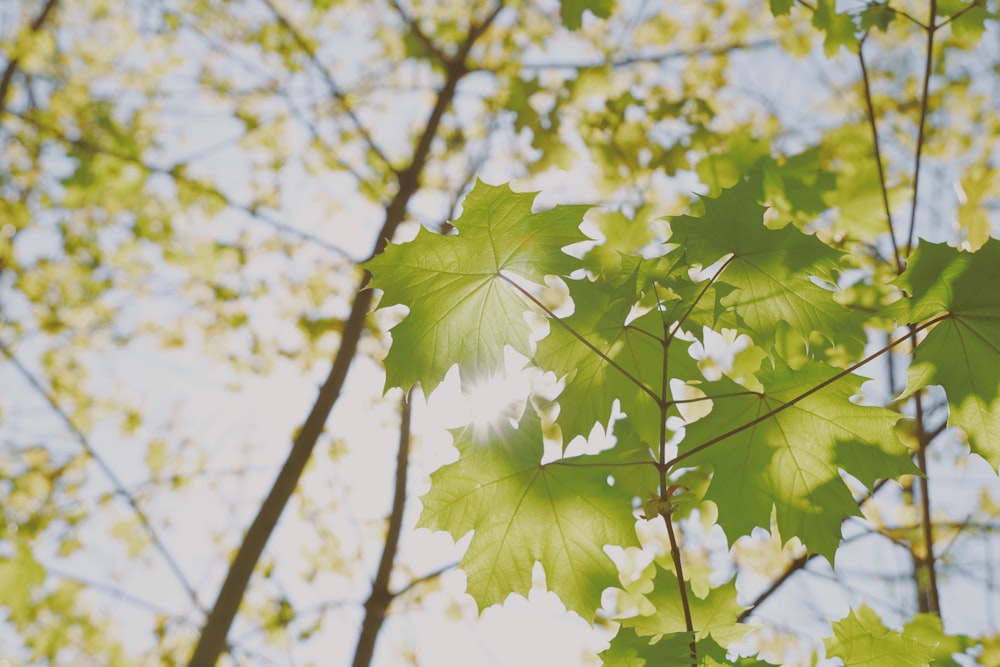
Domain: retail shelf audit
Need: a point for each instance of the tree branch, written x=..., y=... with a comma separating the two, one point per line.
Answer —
x=119, y=487
x=378, y=601
x=212, y=641
x=926, y=594
x=335, y=90
x=793, y=567
x=870, y=107
x=8, y=74
x=924, y=102
x=414, y=27
x=691, y=52
x=176, y=172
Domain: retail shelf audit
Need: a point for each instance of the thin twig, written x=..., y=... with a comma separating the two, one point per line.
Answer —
x=691, y=52
x=906, y=16
x=975, y=3
x=176, y=172
x=422, y=579
x=696, y=301
x=793, y=567
x=105, y=468
x=924, y=102
x=332, y=85
x=414, y=27
x=878, y=154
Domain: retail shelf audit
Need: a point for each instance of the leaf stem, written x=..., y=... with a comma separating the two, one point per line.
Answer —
x=611, y=362
x=825, y=383
x=697, y=300
x=664, y=383
x=675, y=554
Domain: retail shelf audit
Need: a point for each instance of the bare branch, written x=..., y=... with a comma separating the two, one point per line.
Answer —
x=8, y=74
x=378, y=601
x=335, y=90
x=105, y=468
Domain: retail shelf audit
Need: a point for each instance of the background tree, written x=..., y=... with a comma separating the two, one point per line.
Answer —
x=190, y=188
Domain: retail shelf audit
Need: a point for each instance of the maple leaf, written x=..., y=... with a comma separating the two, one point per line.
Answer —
x=603, y=359
x=571, y=11
x=861, y=639
x=790, y=454
x=712, y=616
x=962, y=352
x=629, y=649
x=770, y=270
x=461, y=309
x=522, y=512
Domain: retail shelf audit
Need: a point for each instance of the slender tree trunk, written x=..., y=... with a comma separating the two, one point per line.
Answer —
x=380, y=598
x=212, y=640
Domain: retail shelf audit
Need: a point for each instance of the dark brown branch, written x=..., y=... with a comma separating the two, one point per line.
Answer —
x=119, y=487
x=212, y=641
x=8, y=74
x=378, y=601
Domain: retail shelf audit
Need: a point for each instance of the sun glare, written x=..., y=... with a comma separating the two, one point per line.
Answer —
x=492, y=399
x=488, y=400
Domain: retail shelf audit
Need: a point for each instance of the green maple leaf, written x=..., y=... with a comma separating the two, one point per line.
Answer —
x=522, y=512
x=790, y=460
x=962, y=352
x=592, y=383
x=839, y=28
x=861, y=639
x=927, y=630
x=461, y=309
x=770, y=270
x=713, y=616
x=629, y=649
x=571, y=11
